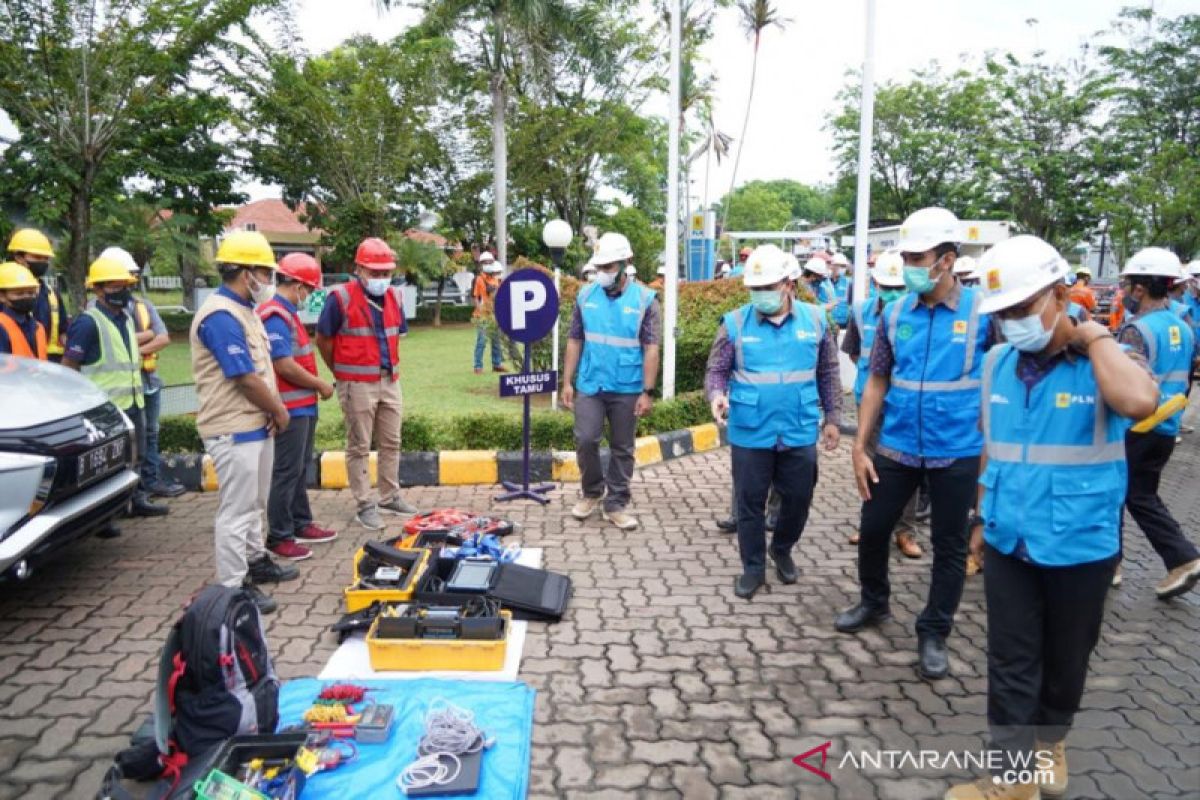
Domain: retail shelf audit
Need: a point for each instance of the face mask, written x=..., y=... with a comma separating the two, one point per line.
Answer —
x=889, y=295
x=22, y=305
x=119, y=299
x=1027, y=333
x=1130, y=304
x=261, y=292
x=38, y=268
x=919, y=279
x=605, y=279
x=591, y=278
x=766, y=301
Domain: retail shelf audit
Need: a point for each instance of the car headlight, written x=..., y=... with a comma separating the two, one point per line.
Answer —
x=25, y=483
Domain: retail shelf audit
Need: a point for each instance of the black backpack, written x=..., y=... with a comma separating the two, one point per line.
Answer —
x=215, y=681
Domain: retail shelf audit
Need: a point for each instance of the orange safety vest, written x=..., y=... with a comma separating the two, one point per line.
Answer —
x=18, y=342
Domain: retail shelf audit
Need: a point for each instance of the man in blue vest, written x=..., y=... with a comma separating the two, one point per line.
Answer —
x=925, y=366
x=839, y=285
x=1056, y=401
x=612, y=362
x=1168, y=344
x=772, y=371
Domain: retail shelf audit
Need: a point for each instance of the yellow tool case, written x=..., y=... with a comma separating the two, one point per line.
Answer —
x=438, y=654
x=412, y=562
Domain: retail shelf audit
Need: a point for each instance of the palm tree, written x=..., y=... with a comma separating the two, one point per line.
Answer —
x=756, y=16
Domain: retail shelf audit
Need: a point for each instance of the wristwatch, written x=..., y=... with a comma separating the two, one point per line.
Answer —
x=975, y=521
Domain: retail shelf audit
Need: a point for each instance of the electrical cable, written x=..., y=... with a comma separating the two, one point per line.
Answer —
x=450, y=732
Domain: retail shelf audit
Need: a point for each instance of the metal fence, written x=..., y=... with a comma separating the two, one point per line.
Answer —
x=164, y=283
x=181, y=399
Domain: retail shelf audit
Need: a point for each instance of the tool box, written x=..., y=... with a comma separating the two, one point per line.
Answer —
x=529, y=593
x=417, y=654
x=386, y=574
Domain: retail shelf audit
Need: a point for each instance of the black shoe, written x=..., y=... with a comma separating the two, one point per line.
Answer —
x=166, y=489
x=142, y=507
x=109, y=531
x=932, y=659
x=785, y=568
x=772, y=521
x=727, y=525
x=263, y=602
x=265, y=570
x=861, y=616
x=746, y=585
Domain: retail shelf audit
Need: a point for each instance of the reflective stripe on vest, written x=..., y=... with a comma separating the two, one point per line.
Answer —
x=612, y=359
x=356, y=355
x=117, y=371
x=150, y=362
x=302, y=353
x=54, y=345
x=19, y=343
x=771, y=402
x=1056, y=476
x=1170, y=343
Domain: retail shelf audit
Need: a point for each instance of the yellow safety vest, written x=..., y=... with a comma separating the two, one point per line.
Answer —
x=150, y=362
x=54, y=338
x=117, y=372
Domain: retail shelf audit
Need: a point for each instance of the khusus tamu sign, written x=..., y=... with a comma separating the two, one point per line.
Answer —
x=527, y=310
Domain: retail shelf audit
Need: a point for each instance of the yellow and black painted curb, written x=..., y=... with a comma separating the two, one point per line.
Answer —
x=463, y=467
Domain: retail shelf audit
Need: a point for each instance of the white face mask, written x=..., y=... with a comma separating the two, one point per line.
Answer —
x=261, y=292
x=1027, y=333
x=605, y=279
x=377, y=286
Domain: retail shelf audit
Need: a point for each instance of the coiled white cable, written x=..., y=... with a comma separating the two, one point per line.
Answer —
x=450, y=732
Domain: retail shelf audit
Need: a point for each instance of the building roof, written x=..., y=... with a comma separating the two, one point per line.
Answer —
x=426, y=237
x=270, y=215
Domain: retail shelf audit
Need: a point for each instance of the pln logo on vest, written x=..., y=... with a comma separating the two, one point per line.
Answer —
x=806, y=336
x=1066, y=400
x=1174, y=335
x=960, y=331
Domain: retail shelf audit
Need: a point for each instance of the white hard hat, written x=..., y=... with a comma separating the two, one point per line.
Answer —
x=889, y=270
x=841, y=260
x=1193, y=268
x=588, y=267
x=725, y=268
x=492, y=266
x=926, y=229
x=612, y=247
x=123, y=257
x=662, y=271
x=766, y=265
x=964, y=266
x=817, y=266
x=486, y=257
x=630, y=270
x=1016, y=269
x=1154, y=261
x=792, y=266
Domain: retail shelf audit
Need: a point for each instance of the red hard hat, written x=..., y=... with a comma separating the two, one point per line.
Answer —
x=301, y=267
x=375, y=254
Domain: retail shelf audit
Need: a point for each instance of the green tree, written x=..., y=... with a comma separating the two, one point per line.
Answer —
x=644, y=236
x=757, y=207
x=100, y=90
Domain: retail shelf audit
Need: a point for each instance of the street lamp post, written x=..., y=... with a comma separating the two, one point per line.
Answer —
x=557, y=235
x=1103, y=230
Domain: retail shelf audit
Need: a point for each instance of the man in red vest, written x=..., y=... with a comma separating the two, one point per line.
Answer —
x=295, y=363
x=358, y=335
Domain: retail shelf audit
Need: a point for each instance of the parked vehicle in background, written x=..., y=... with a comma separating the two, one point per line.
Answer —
x=1105, y=289
x=65, y=457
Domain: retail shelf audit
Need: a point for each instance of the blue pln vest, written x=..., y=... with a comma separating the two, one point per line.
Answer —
x=1075, y=311
x=1056, y=476
x=841, y=312
x=773, y=397
x=932, y=407
x=1170, y=343
x=866, y=317
x=612, y=352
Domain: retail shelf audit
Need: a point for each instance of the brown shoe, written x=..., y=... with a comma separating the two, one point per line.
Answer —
x=987, y=789
x=907, y=544
x=974, y=564
x=1179, y=580
x=1057, y=785
x=854, y=537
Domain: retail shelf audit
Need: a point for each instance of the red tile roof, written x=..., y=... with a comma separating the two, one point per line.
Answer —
x=270, y=215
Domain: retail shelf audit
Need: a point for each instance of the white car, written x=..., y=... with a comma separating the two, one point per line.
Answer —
x=65, y=461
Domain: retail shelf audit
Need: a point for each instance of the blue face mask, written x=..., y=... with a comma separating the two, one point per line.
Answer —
x=766, y=301
x=1027, y=334
x=889, y=295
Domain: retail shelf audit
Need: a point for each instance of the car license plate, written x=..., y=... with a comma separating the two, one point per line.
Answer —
x=100, y=461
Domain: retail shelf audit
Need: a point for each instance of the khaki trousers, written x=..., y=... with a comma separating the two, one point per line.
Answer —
x=372, y=409
x=244, y=475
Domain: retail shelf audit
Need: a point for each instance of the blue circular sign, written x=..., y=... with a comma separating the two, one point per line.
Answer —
x=526, y=305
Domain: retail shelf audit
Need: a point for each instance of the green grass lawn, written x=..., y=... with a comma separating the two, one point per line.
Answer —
x=436, y=374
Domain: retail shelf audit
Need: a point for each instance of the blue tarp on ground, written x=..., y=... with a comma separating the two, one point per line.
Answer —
x=503, y=710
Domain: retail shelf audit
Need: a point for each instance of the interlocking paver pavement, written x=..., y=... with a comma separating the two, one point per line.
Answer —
x=659, y=682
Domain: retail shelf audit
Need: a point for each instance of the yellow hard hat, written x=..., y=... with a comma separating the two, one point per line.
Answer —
x=32, y=241
x=15, y=276
x=246, y=249
x=108, y=270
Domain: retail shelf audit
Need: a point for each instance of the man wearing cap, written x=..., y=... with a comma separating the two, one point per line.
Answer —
x=31, y=249
x=152, y=338
x=964, y=270
x=609, y=372
x=1167, y=342
x=839, y=287
x=358, y=336
x=925, y=366
x=771, y=375
x=20, y=332
x=102, y=345
x=1056, y=401
x=486, y=284
x=240, y=411
x=289, y=515
x=887, y=276
x=740, y=266
x=815, y=275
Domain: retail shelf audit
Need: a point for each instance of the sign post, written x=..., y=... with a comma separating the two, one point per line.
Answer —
x=526, y=309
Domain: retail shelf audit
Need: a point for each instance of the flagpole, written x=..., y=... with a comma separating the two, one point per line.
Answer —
x=671, y=284
x=866, y=130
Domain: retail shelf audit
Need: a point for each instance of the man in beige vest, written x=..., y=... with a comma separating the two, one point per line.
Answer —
x=240, y=410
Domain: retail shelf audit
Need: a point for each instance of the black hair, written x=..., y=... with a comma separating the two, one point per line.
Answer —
x=229, y=272
x=943, y=248
x=1157, y=286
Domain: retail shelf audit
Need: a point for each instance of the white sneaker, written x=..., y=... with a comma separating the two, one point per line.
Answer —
x=1179, y=580
x=586, y=507
x=621, y=519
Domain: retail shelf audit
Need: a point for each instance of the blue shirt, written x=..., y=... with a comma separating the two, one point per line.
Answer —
x=83, y=339
x=224, y=337
x=28, y=325
x=279, y=334
x=331, y=319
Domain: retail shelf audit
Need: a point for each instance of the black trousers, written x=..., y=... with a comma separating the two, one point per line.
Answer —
x=1147, y=454
x=952, y=493
x=1043, y=623
x=793, y=473
x=288, y=511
